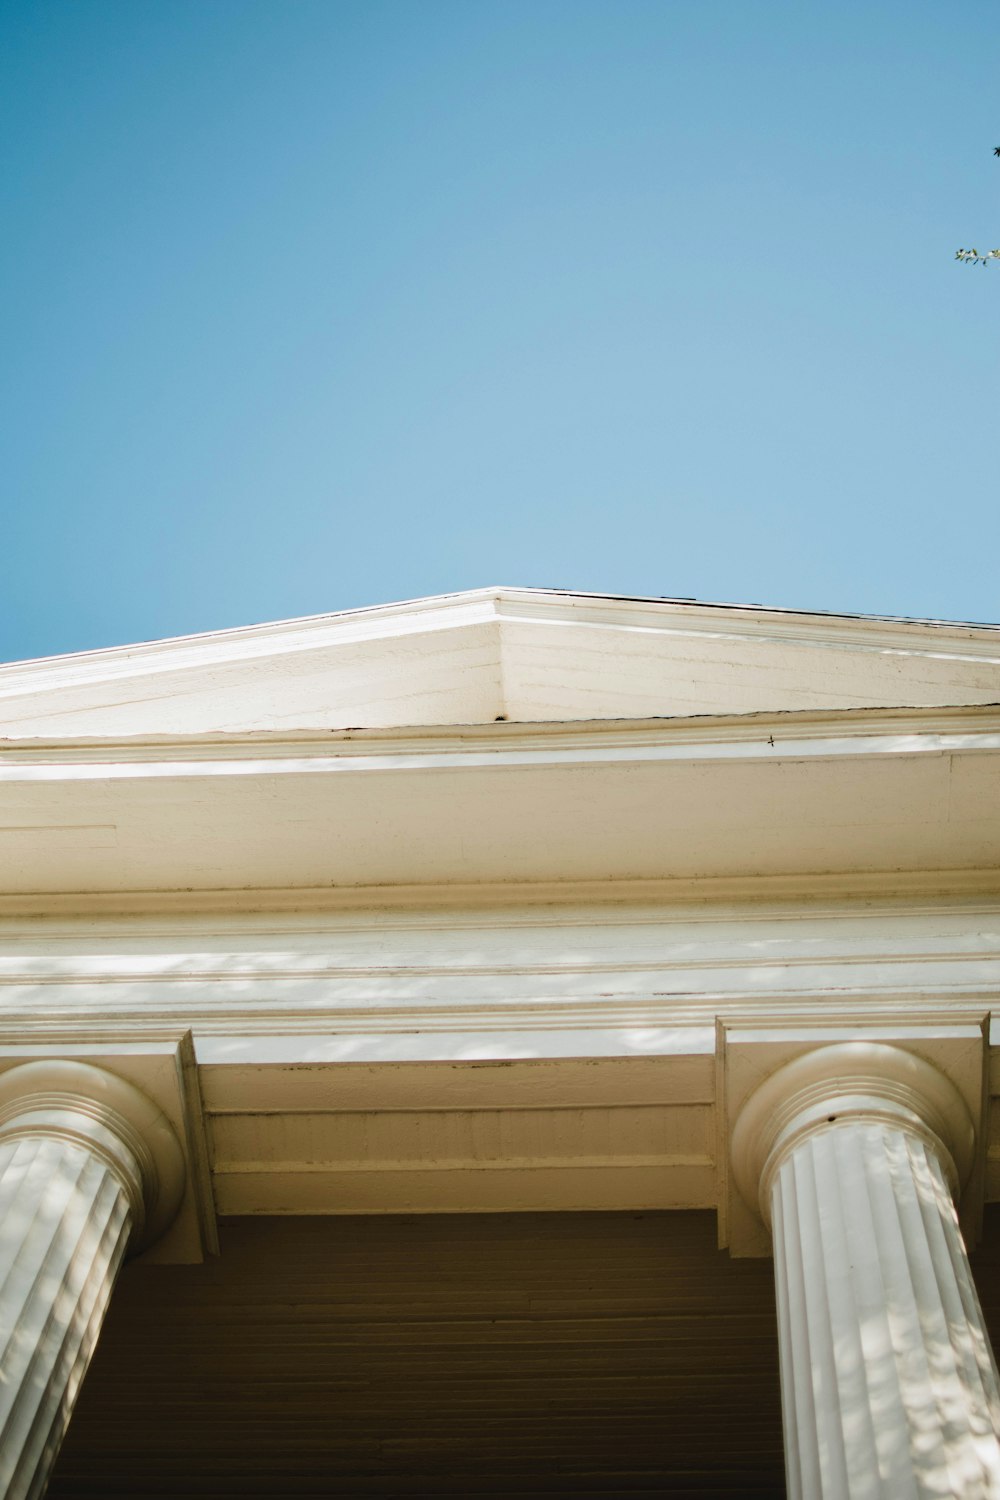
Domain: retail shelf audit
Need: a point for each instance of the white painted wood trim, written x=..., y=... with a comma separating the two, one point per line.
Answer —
x=89, y=1168
x=889, y=1386
x=766, y=735
x=686, y=617
x=66, y=1221
x=856, y=1152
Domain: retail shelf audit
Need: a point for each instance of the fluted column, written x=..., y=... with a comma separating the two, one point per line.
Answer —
x=89, y=1168
x=855, y=1154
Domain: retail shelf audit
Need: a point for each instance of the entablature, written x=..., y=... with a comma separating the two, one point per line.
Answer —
x=793, y=794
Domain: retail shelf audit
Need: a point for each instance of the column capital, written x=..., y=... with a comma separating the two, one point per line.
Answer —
x=73, y=1101
x=844, y=1083
x=159, y=1068
x=781, y=1079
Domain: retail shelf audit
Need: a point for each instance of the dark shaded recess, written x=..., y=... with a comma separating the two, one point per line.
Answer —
x=496, y=1355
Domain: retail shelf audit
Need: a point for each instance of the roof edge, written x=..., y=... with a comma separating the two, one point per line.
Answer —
x=439, y=611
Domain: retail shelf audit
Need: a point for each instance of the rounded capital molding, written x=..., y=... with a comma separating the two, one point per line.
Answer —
x=90, y=1107
x=841, y=1084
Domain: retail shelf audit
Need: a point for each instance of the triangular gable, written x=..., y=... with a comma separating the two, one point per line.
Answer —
x=516, y=654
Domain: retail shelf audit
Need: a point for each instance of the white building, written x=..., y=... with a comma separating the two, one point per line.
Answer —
x=450, y=967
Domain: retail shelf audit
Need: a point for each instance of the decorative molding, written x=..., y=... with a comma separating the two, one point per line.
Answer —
x=840, y=1084
x=74, y=1086
x=458, y=901
x=639, y=1023
x=777, y=1081
x=57, y=1099
x=741, y=962
x=760, y=734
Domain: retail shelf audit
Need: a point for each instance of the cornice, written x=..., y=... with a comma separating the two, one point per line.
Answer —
x=852, y=731
x=686, y=798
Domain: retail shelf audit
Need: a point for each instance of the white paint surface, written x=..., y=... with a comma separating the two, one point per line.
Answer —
x=889, y=1386
x=521, y=654
x=66, y=1225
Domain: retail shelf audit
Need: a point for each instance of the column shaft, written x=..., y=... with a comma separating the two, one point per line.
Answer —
x=66, y=1222
x=889, y=1386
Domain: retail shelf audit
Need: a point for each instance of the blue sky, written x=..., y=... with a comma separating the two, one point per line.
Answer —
x=307, y=306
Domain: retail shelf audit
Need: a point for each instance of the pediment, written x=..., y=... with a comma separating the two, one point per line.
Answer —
x=517, y=654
